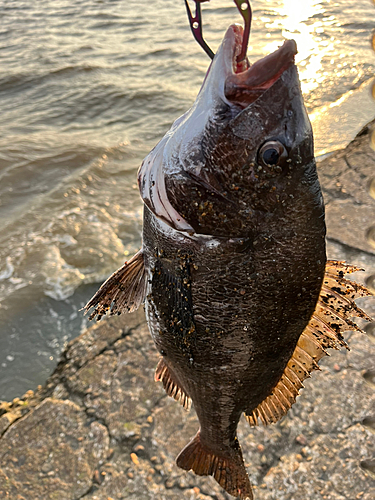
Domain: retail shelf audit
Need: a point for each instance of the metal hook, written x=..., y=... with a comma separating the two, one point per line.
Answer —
x=245, y=10
x=196, y=26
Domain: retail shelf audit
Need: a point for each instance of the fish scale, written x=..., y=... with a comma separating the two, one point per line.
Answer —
x=239, y=297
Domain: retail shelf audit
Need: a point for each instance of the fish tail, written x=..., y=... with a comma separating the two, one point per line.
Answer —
x=228, y=469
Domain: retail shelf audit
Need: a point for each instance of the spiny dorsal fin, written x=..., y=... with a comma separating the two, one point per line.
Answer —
x=329, y=321
x=124, y=291
x=171, y=385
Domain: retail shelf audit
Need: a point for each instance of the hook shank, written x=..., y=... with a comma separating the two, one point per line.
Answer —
x=196, y=26
x=245, y=10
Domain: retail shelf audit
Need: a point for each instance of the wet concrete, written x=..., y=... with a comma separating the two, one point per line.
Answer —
x=102, y=429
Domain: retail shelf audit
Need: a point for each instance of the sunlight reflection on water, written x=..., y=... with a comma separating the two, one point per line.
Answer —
x=298, y=20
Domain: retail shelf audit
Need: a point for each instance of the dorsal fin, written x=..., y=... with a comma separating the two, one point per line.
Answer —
x=171, y=384
x=325, y=329
x=124, y=291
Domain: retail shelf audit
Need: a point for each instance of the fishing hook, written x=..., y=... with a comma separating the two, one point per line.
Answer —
x=196, y=26
x=245, y=10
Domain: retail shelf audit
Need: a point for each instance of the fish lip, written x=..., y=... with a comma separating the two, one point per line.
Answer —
x=245, y=82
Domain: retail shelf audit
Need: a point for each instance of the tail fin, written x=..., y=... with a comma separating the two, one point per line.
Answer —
x=229, y=471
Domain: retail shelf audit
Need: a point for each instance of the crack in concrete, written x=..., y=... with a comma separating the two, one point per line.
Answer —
x=124, y=333
x=91, y=490
x=350, y=248
x=354, y=168
x=333, y=194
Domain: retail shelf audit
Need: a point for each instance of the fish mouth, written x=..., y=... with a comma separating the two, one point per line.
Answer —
x=246, y=82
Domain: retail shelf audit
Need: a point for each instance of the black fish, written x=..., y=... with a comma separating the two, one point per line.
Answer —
x=239, y=297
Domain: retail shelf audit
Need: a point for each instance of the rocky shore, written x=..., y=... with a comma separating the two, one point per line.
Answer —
x=102, y=429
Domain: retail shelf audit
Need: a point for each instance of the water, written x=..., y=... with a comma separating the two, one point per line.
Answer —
x=87, y=88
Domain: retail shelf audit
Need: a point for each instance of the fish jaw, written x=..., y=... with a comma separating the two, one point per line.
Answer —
x=248, y=82
x=241, y=83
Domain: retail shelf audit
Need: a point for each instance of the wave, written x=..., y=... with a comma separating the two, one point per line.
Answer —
x=77, y=232
x=21, y=81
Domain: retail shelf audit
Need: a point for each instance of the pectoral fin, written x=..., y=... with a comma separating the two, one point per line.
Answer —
x=325, y=330
x=124, y=291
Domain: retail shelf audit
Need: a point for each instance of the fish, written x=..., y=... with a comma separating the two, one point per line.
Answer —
x=239, y=296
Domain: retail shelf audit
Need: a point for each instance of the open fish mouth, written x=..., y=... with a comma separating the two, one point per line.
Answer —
x=246, y=82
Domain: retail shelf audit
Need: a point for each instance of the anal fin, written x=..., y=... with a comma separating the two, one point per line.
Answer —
x=124, y=290
x=229, y=471
x=171, y=384
x=325, y=329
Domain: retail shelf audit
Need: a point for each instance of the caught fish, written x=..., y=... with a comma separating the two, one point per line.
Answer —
x=239, y=297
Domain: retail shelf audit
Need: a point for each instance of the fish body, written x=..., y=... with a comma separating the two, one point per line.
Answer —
x=230, y=297
x=233, y=263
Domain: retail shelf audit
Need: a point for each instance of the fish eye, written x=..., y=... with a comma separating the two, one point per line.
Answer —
x=272, y=153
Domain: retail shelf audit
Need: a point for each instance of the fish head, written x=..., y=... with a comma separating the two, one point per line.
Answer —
x=242, y=153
